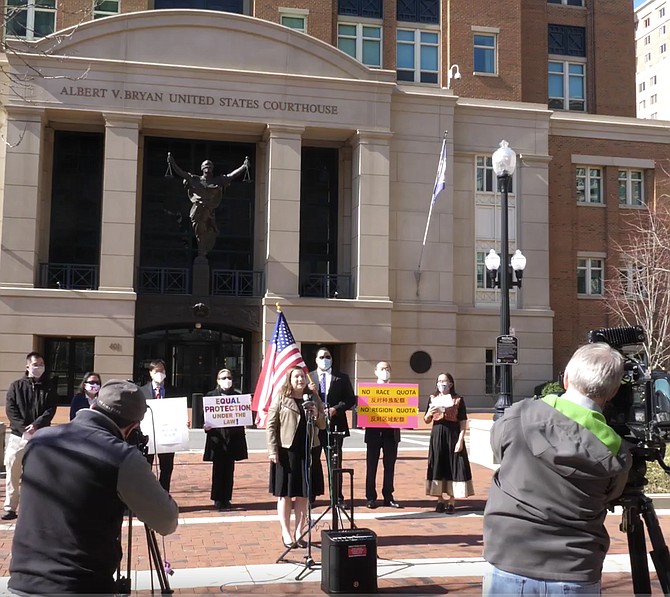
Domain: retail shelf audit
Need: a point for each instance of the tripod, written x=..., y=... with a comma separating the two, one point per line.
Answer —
x=637, y=507
x=155, y=561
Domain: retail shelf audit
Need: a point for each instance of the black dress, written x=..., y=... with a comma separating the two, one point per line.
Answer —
x=448, y=471
x=287, y=475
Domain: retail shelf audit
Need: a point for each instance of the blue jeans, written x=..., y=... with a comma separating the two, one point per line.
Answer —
x=499, y=582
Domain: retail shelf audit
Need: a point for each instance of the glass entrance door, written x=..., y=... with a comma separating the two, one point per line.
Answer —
x=193, y=357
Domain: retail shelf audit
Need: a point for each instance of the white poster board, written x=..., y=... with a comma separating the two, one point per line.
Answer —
x=166, y=424
x=231, y=410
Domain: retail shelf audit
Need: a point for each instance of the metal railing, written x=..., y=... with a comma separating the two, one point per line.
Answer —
x=164, y=280
x=326, y=286
x=68, y=276
x=229, y=282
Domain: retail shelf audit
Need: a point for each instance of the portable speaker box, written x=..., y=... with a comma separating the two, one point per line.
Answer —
x=349, y=561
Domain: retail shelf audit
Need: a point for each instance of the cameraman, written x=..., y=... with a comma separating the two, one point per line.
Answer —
x=560, y=466
x=78, y=479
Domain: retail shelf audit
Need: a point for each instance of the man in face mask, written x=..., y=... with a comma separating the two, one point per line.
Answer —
x=30, y=404
x=338, y=397
x=378, y=440
x=157, y=389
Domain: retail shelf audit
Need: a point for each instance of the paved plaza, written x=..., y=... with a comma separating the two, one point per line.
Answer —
x=420, y=552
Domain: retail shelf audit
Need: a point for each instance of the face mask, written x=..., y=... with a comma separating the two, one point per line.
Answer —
x=226, y=384
x=384, y=375
x=443, y=387
x=36, y=371
x=159, y=377
x=325, y=364
x=92, y=388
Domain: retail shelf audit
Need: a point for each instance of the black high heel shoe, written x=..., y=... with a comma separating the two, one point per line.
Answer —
x=288, y=545
x=301, y=544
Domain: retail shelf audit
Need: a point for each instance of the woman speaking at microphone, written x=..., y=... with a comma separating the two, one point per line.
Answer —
x=295, y=415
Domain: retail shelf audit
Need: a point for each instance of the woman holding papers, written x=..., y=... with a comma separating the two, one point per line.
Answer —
x=294, y=419
x=223, y=446
x=448, y=465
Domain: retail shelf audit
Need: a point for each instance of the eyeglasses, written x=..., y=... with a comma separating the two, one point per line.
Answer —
x=225, y=378
x=323, y=356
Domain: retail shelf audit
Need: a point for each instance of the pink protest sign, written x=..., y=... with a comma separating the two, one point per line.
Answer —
x=391, y=405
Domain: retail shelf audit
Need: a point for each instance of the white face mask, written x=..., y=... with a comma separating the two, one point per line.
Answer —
x=158, y=377
x=325, y=364
x=443, y=387
x=384, y=375
x=225, y=384
x=92, y=388
x=36, y=371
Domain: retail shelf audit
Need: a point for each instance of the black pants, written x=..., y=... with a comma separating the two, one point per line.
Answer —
x=223, y=472
x=374, y=448
x=337, y=440
x=166, y=464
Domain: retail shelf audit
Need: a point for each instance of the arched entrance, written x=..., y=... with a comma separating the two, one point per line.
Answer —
x=193, y=356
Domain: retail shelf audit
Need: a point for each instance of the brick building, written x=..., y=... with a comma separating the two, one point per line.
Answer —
x=344, y=126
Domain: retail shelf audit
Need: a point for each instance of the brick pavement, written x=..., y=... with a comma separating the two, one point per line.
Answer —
x=250, y=536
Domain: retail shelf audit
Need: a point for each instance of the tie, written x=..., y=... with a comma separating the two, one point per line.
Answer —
x=158, y=392
x=322, y=386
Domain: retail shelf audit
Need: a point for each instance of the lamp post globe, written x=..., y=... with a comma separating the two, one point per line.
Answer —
x=504, y=160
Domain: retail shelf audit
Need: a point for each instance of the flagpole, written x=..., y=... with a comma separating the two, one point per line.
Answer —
x=439, y=178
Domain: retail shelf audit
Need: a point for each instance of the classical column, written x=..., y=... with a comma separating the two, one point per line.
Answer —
x=370, y=215
x=282, y=209
x=119, y=202
x=23, y=209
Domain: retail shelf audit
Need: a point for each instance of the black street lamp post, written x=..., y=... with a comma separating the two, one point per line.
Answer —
x=504, y=164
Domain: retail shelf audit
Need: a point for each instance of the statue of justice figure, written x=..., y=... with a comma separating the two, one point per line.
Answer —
x=205, y=193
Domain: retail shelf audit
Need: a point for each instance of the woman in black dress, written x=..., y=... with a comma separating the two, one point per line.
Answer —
x=223, y=447
x=448, y=465
x=88, y=392
x=291, y=437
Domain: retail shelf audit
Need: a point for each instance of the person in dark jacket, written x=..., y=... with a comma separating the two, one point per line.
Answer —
x=560, y=467
x=30, y=405
x=157, y=389
x=78, y=478
x=88, y=392
x=224, y=446
x=378, y=441
x=337, y=394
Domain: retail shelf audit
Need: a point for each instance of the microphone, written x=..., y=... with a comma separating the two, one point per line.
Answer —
x=309, y=406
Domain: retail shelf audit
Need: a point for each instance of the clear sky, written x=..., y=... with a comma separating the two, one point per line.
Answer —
x=637, y=3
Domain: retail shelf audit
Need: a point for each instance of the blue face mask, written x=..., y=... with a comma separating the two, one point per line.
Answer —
x=325, y=364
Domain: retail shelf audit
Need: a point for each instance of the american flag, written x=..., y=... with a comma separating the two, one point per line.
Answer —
x=282, y=354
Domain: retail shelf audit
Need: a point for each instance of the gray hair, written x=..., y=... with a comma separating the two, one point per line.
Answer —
x=595, y=370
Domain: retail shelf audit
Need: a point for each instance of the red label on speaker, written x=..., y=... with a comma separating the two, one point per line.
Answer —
x=357, y=551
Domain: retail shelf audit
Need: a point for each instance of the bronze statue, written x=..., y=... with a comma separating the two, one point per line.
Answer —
x=206, y=193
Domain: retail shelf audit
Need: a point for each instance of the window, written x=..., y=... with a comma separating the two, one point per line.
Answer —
x=652, y=81
x=485, y=53
x=641, y=87
x=30, y=19
x=661, y=31
x=647, y=22
x=567, y=41
x=362, y=42
x=371, y=9
x=642, y=105
x=68, y=360
x=293, y=20
x=653, y=116
x=661, y=12
x=631, y=188
x=105, y=8
x=567, y=2
x=647, y=40
x=419, y=11
x=417, y=55
x=632, y=280
x=647, y=57
x=653, y=99
x=492, y=373
x=589, y=185
x=589, y=276
x=663, y=48
x=567, y=86
x=236, y=6
x=483, y=280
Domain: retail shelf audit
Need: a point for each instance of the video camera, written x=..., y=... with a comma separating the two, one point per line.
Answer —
x=640, y=410
x=139, y=440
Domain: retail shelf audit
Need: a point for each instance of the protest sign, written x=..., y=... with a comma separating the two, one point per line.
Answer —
x=391, y=405
x=227, y=410
x=166, y=424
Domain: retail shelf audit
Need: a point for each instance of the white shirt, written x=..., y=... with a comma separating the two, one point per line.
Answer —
x=329, y=377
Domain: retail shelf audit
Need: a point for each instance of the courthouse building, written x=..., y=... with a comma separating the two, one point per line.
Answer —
x=341, y=108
